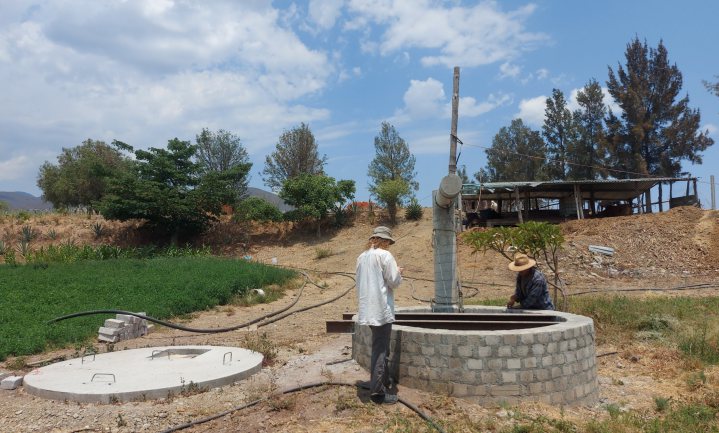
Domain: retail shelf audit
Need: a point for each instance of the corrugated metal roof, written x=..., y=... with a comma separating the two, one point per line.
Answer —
x=600, y=189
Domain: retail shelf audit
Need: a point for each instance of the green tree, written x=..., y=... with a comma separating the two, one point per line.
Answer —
x=81, y=174
x=712, y=87
x=4, y=207
x=169, y=190
x=295, y=153
x=315, y=195
x=257, y=209
x=589, y=149
x=222, y=152
x=655, y=131
x=392, y=161
x=517, y=154
x=559, y=132
x=390, y=193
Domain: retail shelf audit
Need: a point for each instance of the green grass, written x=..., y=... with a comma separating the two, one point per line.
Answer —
x=30, y=295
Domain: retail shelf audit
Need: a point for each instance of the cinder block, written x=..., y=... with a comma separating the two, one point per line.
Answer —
x=124, y=317
x=114, y=323
x=3, y=375
x=11, y=382
x=111, y=331
x=108, y=338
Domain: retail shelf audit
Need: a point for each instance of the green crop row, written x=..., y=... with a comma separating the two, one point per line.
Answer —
x=164, y=287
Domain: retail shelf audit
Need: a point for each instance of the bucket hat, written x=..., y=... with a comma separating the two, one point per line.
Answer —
x=383, y=232
x=521, y=262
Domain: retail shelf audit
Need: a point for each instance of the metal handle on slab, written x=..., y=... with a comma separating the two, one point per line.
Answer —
x=103, y=374
x=82, y=360
x=224, y=358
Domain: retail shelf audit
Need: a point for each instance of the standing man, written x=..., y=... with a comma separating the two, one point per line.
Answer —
x=377, y=277
x=531, y=288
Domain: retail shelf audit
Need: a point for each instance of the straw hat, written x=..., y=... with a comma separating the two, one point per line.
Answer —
x=384, y=233
x=521, y=262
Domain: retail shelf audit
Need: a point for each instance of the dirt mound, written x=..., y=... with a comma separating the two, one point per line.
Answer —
x=681, y=241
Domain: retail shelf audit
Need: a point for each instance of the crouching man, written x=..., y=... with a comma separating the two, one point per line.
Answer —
x=531, y=288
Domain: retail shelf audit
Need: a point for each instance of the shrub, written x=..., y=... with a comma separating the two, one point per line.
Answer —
x=257, y=209
x=414, y=210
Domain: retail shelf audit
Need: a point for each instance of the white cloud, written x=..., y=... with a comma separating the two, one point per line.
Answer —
x=423, y=99
x=542, y=73
x=468, y=106
x=16, y=167
x=712, y=129
x=609, y=102
x=531, y=111
x=144, y=72
x=324, y=13
x=507, y=69
x=469, y=36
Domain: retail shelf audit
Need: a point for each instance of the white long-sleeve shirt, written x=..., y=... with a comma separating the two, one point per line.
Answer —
x=377, y=276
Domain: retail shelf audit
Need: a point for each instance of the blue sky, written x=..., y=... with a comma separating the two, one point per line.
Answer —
x=144, y=71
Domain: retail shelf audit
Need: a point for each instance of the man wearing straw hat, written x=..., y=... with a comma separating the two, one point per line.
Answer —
x=531, y=288
x=377, y=277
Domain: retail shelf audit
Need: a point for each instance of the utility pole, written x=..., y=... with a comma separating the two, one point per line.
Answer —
x=446, y=287
x=714, y=202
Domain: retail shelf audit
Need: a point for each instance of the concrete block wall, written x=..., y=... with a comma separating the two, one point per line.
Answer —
x=554, y=364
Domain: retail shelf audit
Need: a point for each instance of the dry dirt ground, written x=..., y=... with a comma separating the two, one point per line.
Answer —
x=671, y=249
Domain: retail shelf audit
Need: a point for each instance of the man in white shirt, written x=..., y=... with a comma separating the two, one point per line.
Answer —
x=377, y=277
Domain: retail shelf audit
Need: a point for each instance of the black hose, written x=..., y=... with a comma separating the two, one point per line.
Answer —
x=295, y=389
x=272, y=316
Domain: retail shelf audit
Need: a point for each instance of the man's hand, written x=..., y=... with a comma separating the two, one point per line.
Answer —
x=512, y=300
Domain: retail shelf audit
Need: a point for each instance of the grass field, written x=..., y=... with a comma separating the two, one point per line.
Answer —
x=31, y=295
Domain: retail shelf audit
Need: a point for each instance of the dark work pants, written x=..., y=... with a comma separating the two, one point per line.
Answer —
x=380, y=355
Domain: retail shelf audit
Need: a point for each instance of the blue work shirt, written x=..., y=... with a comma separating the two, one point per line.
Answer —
x=531, y=291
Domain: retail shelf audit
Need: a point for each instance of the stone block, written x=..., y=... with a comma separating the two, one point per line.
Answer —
x=475, y=364
x=504, y=351
x=514, y=363
x=527, y=339
x=505, y=390
x=509, y=340
x=112, y=331
x=484, y=351
x=538, y=349
x=114, y=323
x=529, y=362
x=509, y=377
x=108, y=338
x=11, y=382
x=464, y=351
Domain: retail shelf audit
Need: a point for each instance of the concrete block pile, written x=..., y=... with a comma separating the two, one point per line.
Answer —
x=124, y=327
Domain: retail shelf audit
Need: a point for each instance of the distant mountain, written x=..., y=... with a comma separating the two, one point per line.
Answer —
x=270, y=197
x=22, y=200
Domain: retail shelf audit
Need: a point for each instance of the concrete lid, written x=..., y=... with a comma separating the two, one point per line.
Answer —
x=140, y=374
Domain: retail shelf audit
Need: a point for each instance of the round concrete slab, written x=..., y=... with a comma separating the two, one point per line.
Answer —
x=141, y=374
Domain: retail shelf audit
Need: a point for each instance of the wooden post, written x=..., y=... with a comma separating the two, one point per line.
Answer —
x=695, y=190
x=519, y=205
x=455, y=115
x=592, y=203
x=661, y=208
x=671, y=188
x=714, y=202
x=578, y=202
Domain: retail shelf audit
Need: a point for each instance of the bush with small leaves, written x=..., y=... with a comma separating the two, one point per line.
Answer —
x=257, y=209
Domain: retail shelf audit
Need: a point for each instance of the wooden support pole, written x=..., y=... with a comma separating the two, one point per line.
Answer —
x=519, y=205
x=713, y=190
x=455, y=116
x=661, y=208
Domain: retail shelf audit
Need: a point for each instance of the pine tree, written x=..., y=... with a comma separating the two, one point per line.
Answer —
x=517, y=154
x=559, y=132
x=655, y=131
x=588, y=151
x=295, y=153
x=393, y=160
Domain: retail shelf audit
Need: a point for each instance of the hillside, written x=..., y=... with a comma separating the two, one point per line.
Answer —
x=23, y=201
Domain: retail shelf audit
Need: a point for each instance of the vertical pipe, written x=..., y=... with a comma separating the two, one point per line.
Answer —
x=453, y=130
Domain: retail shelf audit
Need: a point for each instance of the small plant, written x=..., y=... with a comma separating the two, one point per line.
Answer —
x=701, y=346
x=261, y=343
x=696, y=380
x=2, y=248
x=27, y=233
x=98, y=230
x=414, y=210
x=614, y=410
x=322, y=253
x=23, y=216
x=661, y=404
x=279, y=402
x=256, y=209
x=23, y=247
x=51, y=234
x=17, y=363
x=121, y=421
x=10, y=257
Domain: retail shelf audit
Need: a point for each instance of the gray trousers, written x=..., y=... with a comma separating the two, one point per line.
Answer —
x=380, y=354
